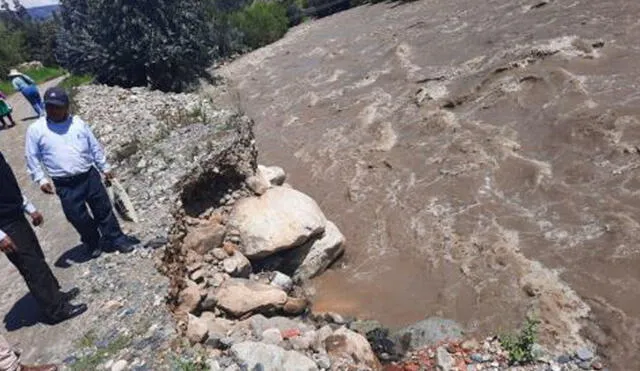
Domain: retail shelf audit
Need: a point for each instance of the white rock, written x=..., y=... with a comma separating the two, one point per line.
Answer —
x=258, y=184
x=274, y=174
x=260, y=323
x=270, y=357
x=280, y=219
x=322, y=253
x=282, y=281
x=444, y=361
x=321, y=335
x=304, y=341
x=121, y=365
x=272, y=336
x=239, y=296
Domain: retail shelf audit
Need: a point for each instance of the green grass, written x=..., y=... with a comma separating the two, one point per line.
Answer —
x=40, y=75
x=74, y=80
x=91, y=362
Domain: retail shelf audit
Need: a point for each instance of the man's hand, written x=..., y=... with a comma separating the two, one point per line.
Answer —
x=109, y=175
x=36, y=218
x=7, y=245
x=47, y=188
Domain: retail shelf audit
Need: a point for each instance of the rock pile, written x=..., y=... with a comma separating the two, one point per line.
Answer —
x=241, y=245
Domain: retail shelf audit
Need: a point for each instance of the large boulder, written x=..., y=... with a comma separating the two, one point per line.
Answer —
x=310, y=259
x=239, y=296
x=268, y=357
x=350, y=350
x=427, y=332
x=204, y=238
x=280, y=219
x=321, y=253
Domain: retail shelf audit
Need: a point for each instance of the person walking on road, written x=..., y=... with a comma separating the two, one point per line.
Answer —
x=29, y=90
x=10, y=360
x=20, y=244
x=5, y=111
x=73, y=158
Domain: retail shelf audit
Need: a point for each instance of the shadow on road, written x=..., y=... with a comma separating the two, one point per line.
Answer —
x=76, y=255
x=24, y=313
x=30, y=118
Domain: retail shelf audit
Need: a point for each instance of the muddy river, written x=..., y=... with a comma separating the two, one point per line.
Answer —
x=481, y=157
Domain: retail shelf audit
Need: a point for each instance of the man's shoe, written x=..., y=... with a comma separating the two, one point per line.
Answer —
x=68, y=312
x=38, y=368
x=71, y=294
x=127, y=244
x=94, y=252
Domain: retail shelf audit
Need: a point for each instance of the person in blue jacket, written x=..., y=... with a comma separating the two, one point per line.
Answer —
x=29, y=90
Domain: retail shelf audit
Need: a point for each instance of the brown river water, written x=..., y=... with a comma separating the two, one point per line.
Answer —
x=481, y=157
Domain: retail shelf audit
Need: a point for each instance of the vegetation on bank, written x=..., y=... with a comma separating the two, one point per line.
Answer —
x=39, y=75
x=164, y=44
x=521, y=345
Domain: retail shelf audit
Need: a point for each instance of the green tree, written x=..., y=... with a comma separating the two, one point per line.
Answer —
x=261, y=23
x=166, y=44
x=11, y=49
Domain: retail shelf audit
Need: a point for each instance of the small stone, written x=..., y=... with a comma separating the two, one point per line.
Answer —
x=282, y=281
x=196, y=330
x=219, y=253
x=322, y=360
x=597, y=366
x=237, y=266
x=304, y=341
x=444, y=361
x=113, y=304
x=335, y=318
x=565, y=358
x=585, y=365
x=197, y=276
x=272, y=336
x=290, y=333
x=295, y=306
x=210, y=301
x=476, y=357
x=585, y=354
x=470, y=345
x=189, y=299
x=258, y=184
x=554, y=367
x=121, y=365
x=230, y=248
x=321, y=335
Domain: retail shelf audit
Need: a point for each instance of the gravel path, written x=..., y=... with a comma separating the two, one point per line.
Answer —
x=127, y=319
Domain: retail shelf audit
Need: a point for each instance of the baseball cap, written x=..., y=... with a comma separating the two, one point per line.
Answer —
x=56, y=97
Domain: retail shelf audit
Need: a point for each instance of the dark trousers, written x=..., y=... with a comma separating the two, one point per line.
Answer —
x=29, y=259
x=78, y=191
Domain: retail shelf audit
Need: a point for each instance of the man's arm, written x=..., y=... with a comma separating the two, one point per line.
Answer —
x=32, y=154
x=36, y=216
x=99, y=158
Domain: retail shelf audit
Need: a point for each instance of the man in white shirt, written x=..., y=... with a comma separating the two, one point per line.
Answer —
x=72, y=157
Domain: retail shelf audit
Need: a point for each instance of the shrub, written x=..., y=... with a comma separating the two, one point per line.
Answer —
x=166, y=44
x=261, y=23
x=520, y=346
